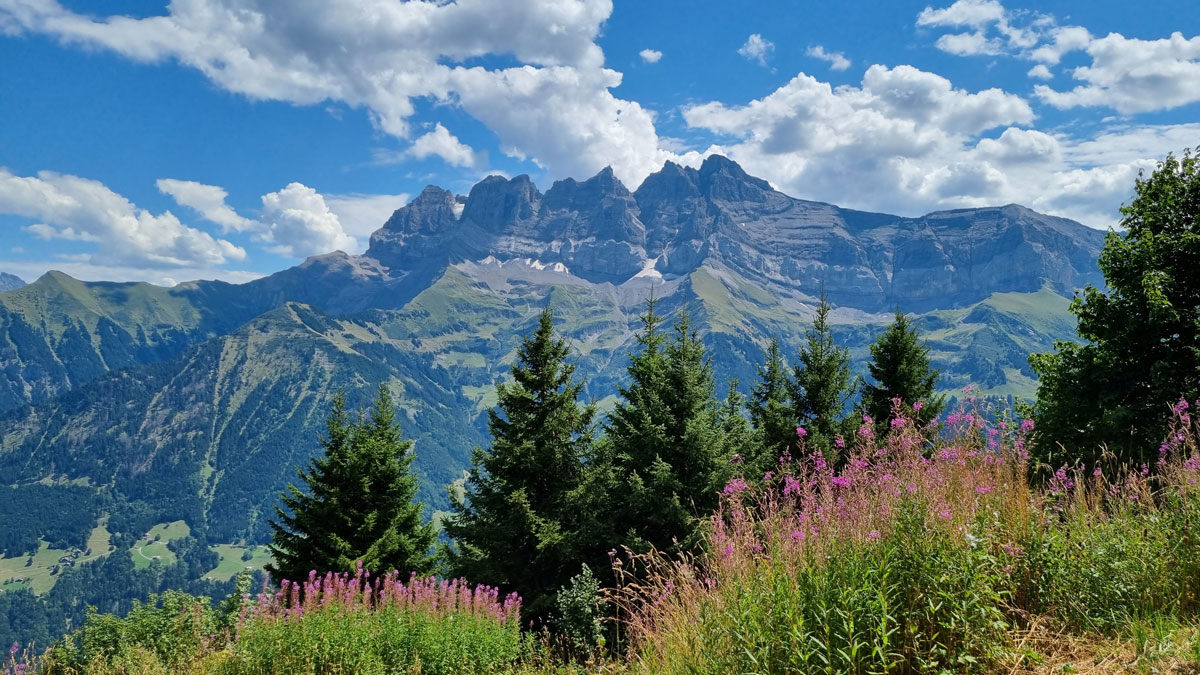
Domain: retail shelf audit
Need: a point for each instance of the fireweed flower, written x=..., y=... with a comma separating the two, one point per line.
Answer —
x=735, y=486
x=918, y=405
x=791, y=486
x=736, y=459
x=840, y=481
x=801, y=432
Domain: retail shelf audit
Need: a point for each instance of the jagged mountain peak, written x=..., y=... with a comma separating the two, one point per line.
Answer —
x=497, y=202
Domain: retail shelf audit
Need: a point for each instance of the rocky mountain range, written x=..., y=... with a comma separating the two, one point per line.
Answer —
x=196, y=402
x=10, y=282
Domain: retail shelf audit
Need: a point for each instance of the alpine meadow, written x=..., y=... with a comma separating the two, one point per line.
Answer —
x=599, y=337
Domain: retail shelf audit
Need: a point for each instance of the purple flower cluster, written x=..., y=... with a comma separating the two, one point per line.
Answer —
x=359, y=591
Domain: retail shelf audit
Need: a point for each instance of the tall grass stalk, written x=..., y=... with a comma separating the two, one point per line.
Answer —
x=918, y=555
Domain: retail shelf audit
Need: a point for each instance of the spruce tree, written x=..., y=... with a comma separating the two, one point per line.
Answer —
x=665, y=436
x=771, y=411
x=821, y=384
x=900, y=368
x=741, y=445
x=513, y=526
x=359, y=504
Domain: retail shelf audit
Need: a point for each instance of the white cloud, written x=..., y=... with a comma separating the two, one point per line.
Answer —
x=757, y=49
x=1020, y=146
x=650, y=55
x=441, y=143
x=874, y=146
x=1066, y=39
x=564, y=119
x=1041, y=72
x=907, y=141
x=1129, y=75
x=974, y=13
x=299, y=223
x=969, y=44
x=362, y=214
x=836, y=60
x=1134, y=76
x=379, y=55
x=208, y=201
x=70, y=207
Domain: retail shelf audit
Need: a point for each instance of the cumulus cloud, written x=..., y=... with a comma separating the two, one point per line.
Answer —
x=969, y=44
x=1133, y=76
x=381, y=55
x=757, y=49
x=362, y=214
x=1063, y=40
x=1021, y=145
x=441, y=143
x=974, y=13
x=1041, y=72
x=875, y=145
x=299, y=223
x=907, y=141
x=73, y=208
x=296, y=221
x=836, y=60
x=208, y=201
x=650, y=55
x=1130, y=75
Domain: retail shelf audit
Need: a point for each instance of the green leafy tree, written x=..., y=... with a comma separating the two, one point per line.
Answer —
x=359, y=505
x=900, y=369
x=772, y=413
x=665, y=437
x=513, y=526
x=1113, y=392
x=821, y=384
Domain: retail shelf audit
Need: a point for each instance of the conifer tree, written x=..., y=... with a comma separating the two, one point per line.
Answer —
x=821, y=384
x=771, y=411
x=665, y=438
x=512, y=527
x=741, y=446
x=359, y=504
x=900, y=367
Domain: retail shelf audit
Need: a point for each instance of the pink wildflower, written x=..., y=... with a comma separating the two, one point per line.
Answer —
x=735, y=486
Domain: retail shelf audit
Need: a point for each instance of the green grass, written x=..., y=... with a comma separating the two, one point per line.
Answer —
x=41, y=576
x=153, y=545
x=232, y=563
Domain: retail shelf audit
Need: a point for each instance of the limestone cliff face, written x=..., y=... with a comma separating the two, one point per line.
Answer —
x=681, y=219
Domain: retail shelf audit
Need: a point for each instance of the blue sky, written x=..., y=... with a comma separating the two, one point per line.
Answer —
x=229, y=139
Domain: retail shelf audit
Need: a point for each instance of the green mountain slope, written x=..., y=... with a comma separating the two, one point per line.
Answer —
x=212, y=435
